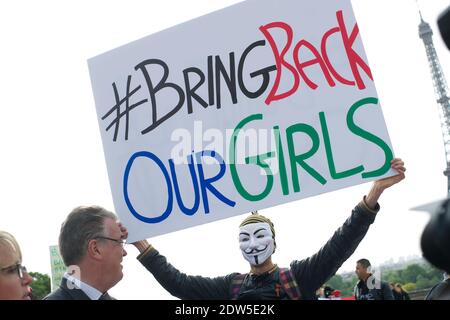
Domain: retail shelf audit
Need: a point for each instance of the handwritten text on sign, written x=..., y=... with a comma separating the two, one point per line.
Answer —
x=252, y=106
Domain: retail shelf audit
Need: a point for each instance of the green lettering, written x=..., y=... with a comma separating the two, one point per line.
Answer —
x=281, y=164
x=370, y=137
x=258, y=160
x=300, y=159
x=326, y=140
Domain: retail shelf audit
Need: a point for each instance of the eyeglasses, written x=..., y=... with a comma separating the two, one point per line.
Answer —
x=19, y=269
x=120, y=242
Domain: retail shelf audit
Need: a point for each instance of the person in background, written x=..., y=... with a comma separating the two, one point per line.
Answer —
x=14, y=278
x=394, y=293
x=440, y=291
x=400, y=294
x=368, y=287
x=328, y=292
x=435, y=243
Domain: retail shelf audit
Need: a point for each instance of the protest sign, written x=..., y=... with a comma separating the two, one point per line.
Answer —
x=252, y=106
x=58, y=267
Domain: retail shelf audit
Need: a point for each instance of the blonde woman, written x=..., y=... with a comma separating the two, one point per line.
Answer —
x=14, y=278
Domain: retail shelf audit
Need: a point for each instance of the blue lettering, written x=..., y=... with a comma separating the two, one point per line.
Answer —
x=207, y=183
x=153, y=157
x=194, y=208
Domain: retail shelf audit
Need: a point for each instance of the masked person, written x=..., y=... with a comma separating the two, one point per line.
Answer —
x=257, y=243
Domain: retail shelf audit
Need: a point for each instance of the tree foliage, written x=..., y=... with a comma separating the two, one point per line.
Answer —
x=40, y=285
x=346, y=286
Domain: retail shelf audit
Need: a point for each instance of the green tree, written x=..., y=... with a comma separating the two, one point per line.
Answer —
x=40, y=285
x=423, y=282
x=392, y=276
x=432, y=272
x=410, y=274
x=336, y=282
x=346, y=287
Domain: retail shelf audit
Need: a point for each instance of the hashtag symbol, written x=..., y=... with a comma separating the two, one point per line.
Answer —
x=126, y=112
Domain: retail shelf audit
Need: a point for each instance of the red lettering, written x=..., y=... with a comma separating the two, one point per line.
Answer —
x=353, y=58
x=327, y=60
x=320, y=58
x=279, y=61
x=317, y=59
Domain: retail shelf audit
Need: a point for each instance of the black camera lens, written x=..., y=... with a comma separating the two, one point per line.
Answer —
x=435, y=241
x=444, y=26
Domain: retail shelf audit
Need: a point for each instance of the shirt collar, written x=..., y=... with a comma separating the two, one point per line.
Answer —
x=90, y=291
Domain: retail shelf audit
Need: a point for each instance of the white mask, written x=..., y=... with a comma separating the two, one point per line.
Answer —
x=256, y=242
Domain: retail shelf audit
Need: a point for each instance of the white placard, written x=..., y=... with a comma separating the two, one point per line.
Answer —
x=176, y=108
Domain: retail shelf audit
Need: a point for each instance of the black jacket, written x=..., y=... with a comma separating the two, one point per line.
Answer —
x=400, y=296
x=309, y=273
x=379, y=290
x=66, y=291
x=441, y=291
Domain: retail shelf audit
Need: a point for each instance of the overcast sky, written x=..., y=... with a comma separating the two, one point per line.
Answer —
x=52, y=158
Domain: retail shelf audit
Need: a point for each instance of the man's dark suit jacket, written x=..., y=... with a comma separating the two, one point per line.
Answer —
x=71, y=293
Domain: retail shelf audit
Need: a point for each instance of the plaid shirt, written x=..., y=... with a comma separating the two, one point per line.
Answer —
x=279, y=284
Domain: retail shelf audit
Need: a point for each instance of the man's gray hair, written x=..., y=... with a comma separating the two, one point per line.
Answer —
x=81, y=225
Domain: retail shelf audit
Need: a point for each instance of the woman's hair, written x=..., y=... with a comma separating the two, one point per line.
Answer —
x=8, y=241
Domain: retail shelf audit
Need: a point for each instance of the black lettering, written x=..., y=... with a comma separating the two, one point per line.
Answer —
x=230, y=79
x=263, y=72
x=154, y=89
x=210, y=80
x=190, y=93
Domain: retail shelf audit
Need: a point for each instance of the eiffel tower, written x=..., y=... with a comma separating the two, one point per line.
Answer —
x=440, y=88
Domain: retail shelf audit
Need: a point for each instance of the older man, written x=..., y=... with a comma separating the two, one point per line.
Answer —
x=91, y=246
x=257, y=243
